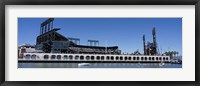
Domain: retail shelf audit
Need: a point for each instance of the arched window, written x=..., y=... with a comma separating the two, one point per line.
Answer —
x=145, y=58
x=153, y=58
x=98, y=57
x=70, y=57
x=33, y=57
x=112, y=58
x=102, y=57
x=108, y=57
x=156, y=58
x=142, y=58
x=129, y=58
x=149, y=58
x=76, y=57
x=121, y=58
x=160, y=58
x=134, y=58
x=53, y=56
x=87, y=57
x=81, y=57
x=164, y=58
x=58, y=56
x=27, y=57
x=125, y=58
x=46, y=56
x=138, y=58
x=65, y=57
x=92, y=57
x=117, y=58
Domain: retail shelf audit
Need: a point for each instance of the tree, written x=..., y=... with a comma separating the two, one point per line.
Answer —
x=171, y=53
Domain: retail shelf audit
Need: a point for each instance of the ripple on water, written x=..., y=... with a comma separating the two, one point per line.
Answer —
x=98, y=65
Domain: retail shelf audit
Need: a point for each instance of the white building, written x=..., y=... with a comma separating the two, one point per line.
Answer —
x=26, y=48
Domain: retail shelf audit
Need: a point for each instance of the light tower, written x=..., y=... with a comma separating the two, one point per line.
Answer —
x=154, y=40
x=144, y=44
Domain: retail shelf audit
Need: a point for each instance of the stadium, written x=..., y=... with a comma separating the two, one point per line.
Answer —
x=50, y=41
x=52, y=46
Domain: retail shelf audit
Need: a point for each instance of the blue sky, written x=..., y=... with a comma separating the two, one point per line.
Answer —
x=123, y=32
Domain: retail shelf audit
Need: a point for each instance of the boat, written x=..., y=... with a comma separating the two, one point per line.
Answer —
x=161, y=64
x=83, y=64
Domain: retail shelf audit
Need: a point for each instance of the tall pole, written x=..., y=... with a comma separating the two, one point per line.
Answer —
x=154, y=39
x=144, y=44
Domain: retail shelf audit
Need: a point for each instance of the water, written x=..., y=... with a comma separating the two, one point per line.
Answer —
x=98, y=65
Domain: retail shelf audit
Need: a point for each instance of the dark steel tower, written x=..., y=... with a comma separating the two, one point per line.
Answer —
x=144, y=44
x=154, y=40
